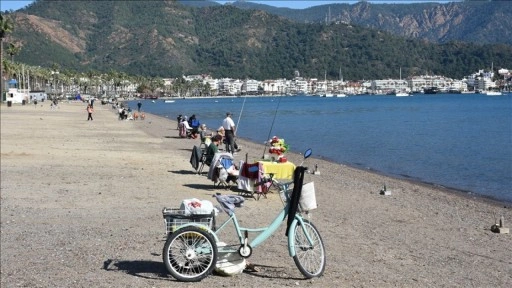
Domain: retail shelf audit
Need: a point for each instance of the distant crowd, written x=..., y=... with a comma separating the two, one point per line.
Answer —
x=126, y=113
x=190, y=127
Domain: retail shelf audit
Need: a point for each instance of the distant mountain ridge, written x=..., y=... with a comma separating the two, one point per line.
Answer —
x=168, y=39
x=468, y=21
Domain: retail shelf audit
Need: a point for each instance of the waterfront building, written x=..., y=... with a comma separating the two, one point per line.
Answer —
x=389, y=85
x=299, y=85
x=213, y=83
x=274, y=87
x=250, y=86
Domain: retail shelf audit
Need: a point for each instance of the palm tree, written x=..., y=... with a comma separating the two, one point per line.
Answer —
x=13, y=49
x=9, y=69
x=6, y=27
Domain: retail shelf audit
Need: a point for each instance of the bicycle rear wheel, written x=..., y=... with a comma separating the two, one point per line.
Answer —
x=190, y=254
x=310, y=259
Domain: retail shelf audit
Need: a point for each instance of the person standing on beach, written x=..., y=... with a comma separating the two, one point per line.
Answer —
x=138, y=106
x=89, y=111
x=230, y=130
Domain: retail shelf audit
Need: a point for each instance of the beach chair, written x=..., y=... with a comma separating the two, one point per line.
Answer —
x=185, y=130
x=222, y=170
x=250, y=174
x=197, y=159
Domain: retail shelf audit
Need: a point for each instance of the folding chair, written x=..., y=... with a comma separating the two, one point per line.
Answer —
x=218, y=172
x=250, y=182
x=202, y=161
x=197, y=159
x=225, y=177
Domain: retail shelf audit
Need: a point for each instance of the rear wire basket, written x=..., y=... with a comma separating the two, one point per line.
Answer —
x=175, y=217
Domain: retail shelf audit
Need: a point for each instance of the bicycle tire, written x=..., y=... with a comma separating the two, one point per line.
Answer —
x=190, y=254
x=309, y=259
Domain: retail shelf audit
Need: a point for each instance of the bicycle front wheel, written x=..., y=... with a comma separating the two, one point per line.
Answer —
x=310, y=259
x=190, y=254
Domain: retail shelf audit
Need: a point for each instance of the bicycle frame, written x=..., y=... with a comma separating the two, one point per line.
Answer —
x=198, y=242
x=264, y=232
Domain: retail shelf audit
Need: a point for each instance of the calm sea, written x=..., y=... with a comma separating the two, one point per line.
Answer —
x=458, y=141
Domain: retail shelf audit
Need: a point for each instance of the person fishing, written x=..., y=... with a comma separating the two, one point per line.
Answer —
x=229, y=128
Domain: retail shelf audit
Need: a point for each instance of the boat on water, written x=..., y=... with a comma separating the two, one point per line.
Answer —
x=169, y=101
x=401, y=94
x=340, y=95
x=431, y=90
x=396, y=93
x=493, y=93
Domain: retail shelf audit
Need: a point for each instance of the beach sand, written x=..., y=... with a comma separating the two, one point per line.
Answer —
x=81, y=206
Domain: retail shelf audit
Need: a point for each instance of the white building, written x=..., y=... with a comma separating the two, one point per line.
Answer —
x=274, y=87
x=250, y=86
x=301, y=85
x=38, y=95
x=213, y=83
x=389, y=85
x=15, y=95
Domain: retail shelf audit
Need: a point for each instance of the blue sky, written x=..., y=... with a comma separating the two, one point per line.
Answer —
x=300, y=4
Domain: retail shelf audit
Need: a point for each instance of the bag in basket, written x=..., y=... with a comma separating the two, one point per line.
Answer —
x=195, y=206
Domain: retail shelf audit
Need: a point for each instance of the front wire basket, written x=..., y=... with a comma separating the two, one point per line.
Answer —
x=175, y=217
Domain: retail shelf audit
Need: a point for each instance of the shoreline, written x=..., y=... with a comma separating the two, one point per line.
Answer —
x=447, y=189
x=415, y=181
x=87, y=196
x=398, y=159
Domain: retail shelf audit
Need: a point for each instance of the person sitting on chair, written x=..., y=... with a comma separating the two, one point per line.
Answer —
x=185, y=129
x=204, y=135
x=222, y=134
x=212, y=149
x=194, y=124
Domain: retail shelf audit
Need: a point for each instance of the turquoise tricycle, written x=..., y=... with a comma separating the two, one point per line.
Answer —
x=192, y=248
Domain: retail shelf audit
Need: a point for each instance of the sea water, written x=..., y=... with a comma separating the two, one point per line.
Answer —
x=461, y=141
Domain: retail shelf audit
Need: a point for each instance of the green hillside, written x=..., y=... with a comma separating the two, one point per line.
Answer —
x=168, y=39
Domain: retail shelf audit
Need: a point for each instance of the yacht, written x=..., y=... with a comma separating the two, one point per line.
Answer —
x=401, y=94
x=493, y=93
x=430, y=90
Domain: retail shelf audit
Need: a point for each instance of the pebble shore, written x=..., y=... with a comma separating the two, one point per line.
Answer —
x=81, y=206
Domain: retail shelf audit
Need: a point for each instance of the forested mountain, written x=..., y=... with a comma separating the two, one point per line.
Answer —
x=480, y=21
x=168, y=39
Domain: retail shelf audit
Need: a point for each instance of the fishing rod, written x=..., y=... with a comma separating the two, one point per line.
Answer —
x=239, y=116
x=238, y=122
x=271, y=126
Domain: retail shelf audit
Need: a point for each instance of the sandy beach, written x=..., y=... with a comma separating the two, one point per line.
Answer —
x=81, y=206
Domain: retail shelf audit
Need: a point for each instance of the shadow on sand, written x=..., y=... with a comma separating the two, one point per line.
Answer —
x=183, y=172
x=157, y=271
x=139, y=268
